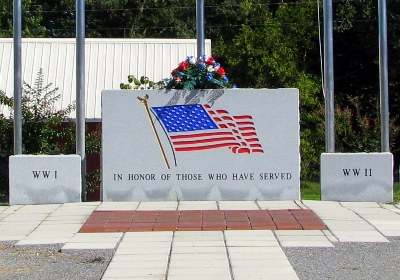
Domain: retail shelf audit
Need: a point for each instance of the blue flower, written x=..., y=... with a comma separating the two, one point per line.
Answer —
x=209, y=77
x=202, y=66
x=226, y=79
x=181, y=74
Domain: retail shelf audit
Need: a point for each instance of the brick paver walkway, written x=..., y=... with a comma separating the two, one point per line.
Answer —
x=197, y=220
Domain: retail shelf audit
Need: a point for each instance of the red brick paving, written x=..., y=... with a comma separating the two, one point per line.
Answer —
x=196, y=220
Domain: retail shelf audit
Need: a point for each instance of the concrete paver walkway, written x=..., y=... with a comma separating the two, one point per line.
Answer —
x=198, y=254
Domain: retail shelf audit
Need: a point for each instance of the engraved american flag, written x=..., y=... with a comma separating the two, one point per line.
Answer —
x=197, y=127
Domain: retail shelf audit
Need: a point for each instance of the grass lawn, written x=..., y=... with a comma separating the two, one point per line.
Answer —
x=312, y=191
x=396, y=192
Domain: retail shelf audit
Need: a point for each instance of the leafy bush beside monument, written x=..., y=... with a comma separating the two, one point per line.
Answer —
x=45, y=130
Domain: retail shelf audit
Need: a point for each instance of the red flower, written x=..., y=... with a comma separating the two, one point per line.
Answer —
x=210, y=61
x=183, y=65
x=174, y=72
x=221, y=71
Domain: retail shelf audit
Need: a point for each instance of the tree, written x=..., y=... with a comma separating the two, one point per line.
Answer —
x=31, y=15
x=357, y=76
x=276, y=47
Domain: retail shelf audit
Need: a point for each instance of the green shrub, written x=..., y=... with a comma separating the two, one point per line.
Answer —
x=45, y=129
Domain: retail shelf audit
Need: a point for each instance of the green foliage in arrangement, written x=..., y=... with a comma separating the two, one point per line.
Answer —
x=201, y=73
x=143, y=83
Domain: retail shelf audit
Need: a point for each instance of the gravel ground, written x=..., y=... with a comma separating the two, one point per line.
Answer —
x=347, y=261
x=48, y=262
x=352, y=261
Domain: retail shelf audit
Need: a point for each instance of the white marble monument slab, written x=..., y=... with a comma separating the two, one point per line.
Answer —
x=42, y=179
x=237, y=144
x=357, y=177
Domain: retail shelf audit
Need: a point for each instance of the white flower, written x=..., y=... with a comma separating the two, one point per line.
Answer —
x=191, y=60
x=210, y=68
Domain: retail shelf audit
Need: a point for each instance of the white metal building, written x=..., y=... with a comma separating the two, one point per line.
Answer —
x=108, y=63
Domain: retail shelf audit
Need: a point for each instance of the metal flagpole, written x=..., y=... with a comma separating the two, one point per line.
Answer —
x=383, y=76
x=17, y=31
x=80, y=90
x=328, y=78
x=200, y=27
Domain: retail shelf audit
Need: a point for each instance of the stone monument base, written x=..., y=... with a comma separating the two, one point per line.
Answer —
x=41, y=179
x=357, y=177
x=235, y=144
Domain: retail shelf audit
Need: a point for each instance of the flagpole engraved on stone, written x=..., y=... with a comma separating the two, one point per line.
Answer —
x=144, y=102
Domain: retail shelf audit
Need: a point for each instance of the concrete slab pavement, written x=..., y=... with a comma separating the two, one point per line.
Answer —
x=213, y=254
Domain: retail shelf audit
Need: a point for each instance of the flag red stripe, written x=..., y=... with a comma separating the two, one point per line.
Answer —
x=198, y=148
x=208, y=140
x=226, y=118
x=200, y=135
x=244, y=123
x=245, y=134
x=252, y=140
x=255, y=145
x=246, y=128
x=243, y=117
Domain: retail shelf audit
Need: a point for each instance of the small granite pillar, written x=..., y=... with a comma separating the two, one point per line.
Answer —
x=41, y=179
x=357, y=177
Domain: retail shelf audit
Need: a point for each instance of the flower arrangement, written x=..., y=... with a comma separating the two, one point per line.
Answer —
x=203, y=73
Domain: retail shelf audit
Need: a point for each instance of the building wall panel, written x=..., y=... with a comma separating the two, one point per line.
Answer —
x=108, y=62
